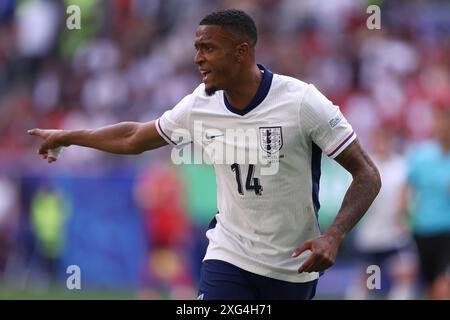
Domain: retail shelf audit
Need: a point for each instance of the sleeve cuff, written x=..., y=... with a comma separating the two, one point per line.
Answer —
x=163, y=134
x=342, y=145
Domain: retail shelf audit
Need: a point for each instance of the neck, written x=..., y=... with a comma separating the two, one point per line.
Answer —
x=244, y=88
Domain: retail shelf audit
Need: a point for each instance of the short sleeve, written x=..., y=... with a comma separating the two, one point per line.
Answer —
x=324, y=123
x=174, y=125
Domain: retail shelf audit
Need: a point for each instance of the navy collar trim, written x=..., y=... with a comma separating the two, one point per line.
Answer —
x=260, y=95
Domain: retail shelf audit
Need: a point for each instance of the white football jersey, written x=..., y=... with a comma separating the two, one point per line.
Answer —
x=267, y=164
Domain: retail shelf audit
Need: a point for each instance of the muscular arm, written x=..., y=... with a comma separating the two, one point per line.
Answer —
x=120, y=138
x=362, y=191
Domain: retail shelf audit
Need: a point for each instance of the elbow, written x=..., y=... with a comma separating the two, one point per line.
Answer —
x=131, y=143
x=133, y=148
x=371, y=178
x=375, y=177
x=379, y=183
x=136, y=151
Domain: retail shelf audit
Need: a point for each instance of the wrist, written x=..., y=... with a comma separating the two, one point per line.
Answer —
x=63, y=138
x=334, y=235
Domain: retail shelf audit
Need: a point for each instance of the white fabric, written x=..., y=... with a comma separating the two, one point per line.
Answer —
x=381, y=228
x=258, y=233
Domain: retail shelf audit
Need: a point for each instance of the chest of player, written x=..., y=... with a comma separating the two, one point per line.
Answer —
x=254, y=138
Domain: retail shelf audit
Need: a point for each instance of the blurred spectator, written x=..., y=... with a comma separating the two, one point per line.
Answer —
x=159, y=194
x=382, y=236
x=429, y=181
x=48, y=217
x=9, y=214
x=201, y=200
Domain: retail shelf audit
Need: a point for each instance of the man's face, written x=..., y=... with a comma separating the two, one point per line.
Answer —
x=215, y=57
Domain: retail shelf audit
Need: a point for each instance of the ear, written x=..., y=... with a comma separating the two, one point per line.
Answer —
x=242, y=51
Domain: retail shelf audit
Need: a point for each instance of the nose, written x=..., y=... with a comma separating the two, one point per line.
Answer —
x=199, y=58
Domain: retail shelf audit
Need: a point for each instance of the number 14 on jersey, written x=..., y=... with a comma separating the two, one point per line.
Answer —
x=251, y=183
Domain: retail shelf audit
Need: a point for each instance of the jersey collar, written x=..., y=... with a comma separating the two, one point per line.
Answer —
x=260, y=95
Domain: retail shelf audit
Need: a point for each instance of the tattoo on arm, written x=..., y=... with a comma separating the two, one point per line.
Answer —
x=364, y=188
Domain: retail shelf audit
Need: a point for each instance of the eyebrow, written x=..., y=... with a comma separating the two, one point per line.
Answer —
x=203, y=43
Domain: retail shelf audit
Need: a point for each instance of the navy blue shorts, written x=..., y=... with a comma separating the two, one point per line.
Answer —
x=221, y=280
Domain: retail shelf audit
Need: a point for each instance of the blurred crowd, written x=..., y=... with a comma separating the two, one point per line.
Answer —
x=133, y=59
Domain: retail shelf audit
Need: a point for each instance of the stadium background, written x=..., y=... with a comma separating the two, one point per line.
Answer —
x=134, y=224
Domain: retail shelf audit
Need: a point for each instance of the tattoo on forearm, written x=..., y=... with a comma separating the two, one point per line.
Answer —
x=362, y=191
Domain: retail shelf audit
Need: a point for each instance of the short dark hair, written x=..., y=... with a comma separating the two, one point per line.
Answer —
x=235, y=21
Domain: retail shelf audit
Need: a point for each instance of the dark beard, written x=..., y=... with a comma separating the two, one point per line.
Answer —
x=209, y=92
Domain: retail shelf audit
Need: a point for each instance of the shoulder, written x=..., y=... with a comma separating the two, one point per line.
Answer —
x=198, y=93
x=307, y=93
x=288, y=89
x=200, y=98
x=289, y=84
x=195, y=99
x=199, y=90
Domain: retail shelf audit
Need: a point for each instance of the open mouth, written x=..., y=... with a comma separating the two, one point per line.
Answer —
x=205, y=74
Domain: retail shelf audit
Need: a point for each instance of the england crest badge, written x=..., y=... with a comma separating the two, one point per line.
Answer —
x=271, y=139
